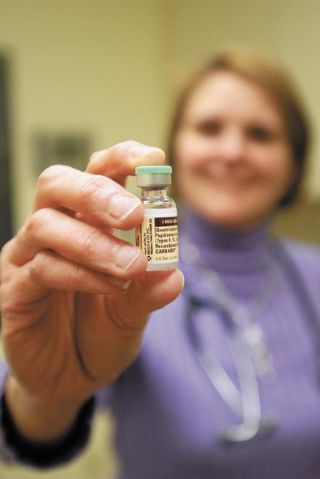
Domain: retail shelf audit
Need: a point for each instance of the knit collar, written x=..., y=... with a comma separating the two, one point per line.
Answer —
x=241, y=259
x=225, y=250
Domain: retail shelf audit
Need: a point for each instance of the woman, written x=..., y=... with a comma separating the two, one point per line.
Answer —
x=221, y=381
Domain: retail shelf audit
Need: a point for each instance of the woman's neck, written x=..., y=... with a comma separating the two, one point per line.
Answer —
x=226, y=249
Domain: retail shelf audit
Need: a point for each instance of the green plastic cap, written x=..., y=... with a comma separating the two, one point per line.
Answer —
x=154, y=170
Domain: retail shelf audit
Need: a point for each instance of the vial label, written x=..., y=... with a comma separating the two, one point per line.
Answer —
x=158, y=238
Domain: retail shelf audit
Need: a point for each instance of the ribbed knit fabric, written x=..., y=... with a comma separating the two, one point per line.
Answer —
x=169, y=417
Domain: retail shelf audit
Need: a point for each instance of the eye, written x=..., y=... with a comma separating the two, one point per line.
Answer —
x=261, y=134
x=208, y=127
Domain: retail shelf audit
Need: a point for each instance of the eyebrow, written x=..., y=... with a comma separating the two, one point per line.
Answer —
x=258, y=123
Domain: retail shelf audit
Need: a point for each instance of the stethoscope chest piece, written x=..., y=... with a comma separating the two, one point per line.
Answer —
x=240, y=433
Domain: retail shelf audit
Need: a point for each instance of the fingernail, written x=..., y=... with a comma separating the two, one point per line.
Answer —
x=182, y=278
x=126, y=256
x=127, y=284
x=123, y=205
x=120, y=283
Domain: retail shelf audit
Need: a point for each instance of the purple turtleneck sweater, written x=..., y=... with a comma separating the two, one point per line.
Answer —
x=168, y=416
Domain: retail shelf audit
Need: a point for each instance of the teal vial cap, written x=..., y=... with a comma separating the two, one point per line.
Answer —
x=153, y=170
x=153, y=175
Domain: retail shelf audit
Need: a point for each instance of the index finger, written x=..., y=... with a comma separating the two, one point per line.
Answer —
x=97, y=197
x=120, y=160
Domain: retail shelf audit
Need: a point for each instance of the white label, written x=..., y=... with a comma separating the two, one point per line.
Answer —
x=158, y=236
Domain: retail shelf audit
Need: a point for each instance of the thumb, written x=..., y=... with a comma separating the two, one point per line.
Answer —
x=148, y=292
x=109, y=342
x=154, y=290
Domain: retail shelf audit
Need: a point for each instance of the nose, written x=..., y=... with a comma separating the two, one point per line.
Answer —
x=231, y=146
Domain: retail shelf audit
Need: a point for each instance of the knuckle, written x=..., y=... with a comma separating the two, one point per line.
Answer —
x=127, y=147
x=50, y=173
x=9, y=309
x=5, y=250
x=88, y=241
x=92, y=188
x=37, y=221
x=78, y=277
x=97, y=154
x=38, y=266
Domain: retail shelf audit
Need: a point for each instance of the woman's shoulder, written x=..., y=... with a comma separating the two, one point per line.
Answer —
x=306, y=255
x=302, y=249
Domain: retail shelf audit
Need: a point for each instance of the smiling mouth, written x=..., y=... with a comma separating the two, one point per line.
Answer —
x=225, y=180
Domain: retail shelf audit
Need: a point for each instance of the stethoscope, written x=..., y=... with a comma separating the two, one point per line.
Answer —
x=248, y=349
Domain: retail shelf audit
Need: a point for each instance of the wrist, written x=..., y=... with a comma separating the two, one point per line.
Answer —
x=35, y=419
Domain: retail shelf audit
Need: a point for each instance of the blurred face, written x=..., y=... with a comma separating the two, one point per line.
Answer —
x=232, y=156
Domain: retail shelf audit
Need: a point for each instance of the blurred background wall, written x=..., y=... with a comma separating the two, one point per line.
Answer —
x=108, y=70
x=87, y=66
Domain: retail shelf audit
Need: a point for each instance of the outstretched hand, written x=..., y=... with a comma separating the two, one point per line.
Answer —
x=75, y=299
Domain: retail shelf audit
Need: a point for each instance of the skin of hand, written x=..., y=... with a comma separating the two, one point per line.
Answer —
x=74, y=298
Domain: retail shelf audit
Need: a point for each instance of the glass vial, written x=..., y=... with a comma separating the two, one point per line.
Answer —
x=158, y=234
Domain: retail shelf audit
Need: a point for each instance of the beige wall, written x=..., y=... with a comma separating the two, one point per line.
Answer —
x=288, y=29
x=110, y=67
x=91, y=65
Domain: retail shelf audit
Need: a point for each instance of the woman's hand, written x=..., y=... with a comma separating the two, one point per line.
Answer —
x=75, y=299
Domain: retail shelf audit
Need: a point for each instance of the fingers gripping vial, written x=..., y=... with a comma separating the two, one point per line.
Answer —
x=158, y=234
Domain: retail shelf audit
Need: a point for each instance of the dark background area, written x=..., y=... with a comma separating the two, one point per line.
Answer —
x=5, y=177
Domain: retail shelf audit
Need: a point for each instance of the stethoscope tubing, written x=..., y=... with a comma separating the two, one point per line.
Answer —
x=252, y=425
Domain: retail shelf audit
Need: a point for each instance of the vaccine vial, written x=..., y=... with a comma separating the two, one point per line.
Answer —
x=158, y=234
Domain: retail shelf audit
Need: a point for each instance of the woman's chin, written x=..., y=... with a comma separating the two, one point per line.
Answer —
x=229, y=218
